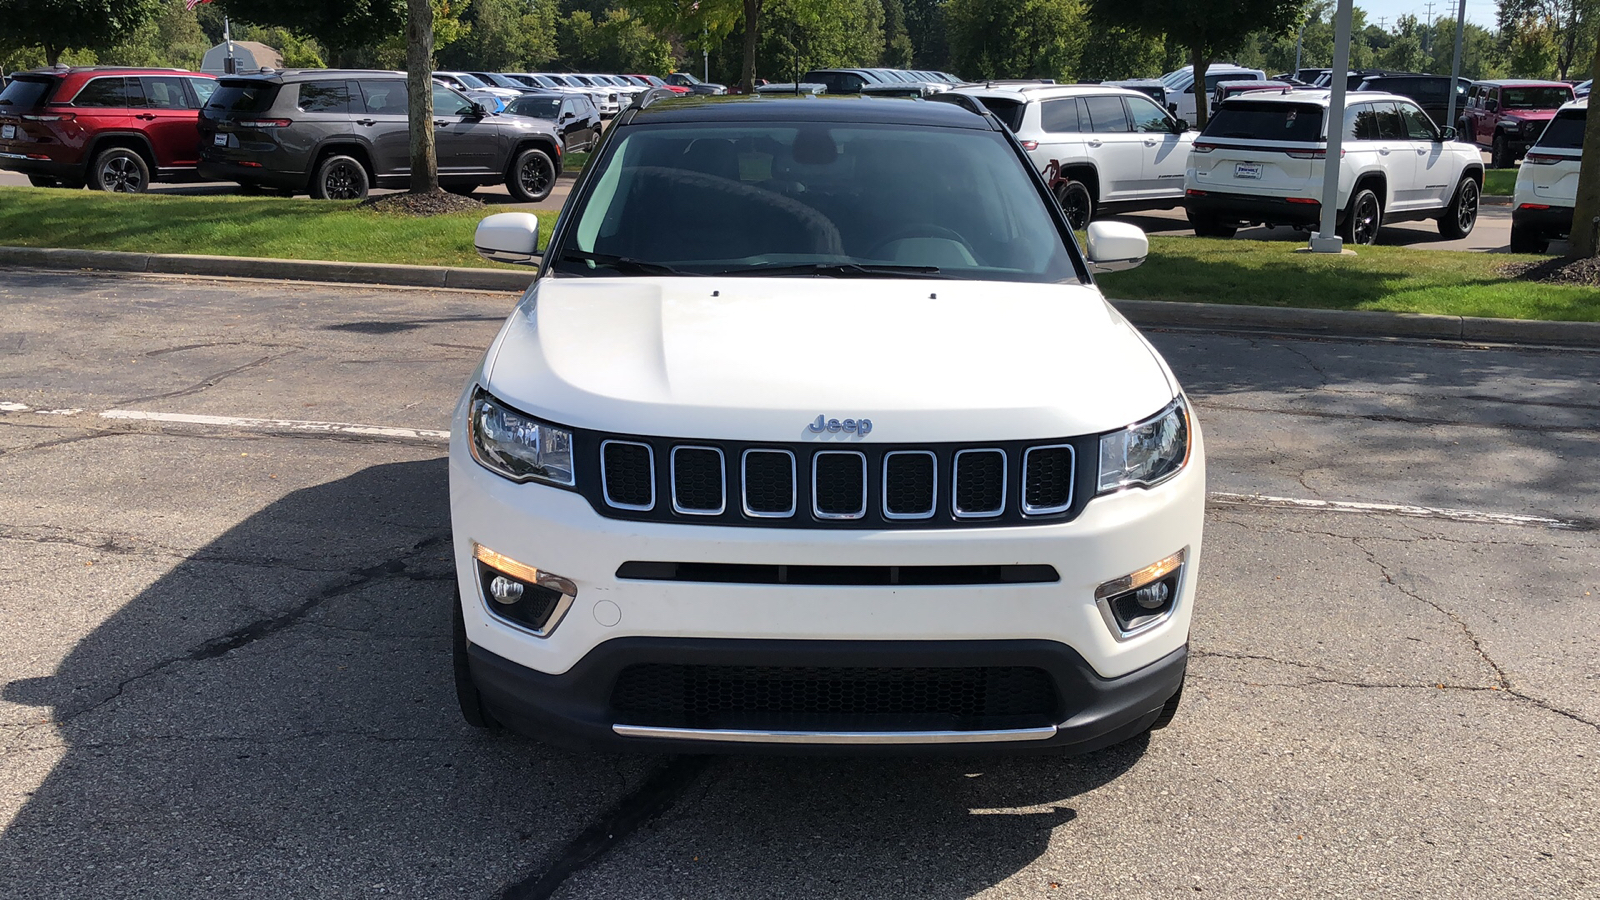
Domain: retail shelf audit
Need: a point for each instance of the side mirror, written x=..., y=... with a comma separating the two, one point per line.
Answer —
x=566, y=115
x=1447, y=133
x=479, y=110
x=1113, y=246
x=510, y=238
x=1179, y=126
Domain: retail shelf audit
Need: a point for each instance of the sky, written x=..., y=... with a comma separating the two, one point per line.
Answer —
x=1479, y=12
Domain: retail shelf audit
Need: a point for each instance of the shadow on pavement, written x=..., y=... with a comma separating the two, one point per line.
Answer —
x=309, y=746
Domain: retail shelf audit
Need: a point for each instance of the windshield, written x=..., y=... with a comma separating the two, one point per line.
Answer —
x=1175, y=80
x=536, y=107
x=467, y=80
x=689, y=78
x=1565, y=131
x=1266, y=121
x=815, y=199
x=1534, y=97
x=26, y=93
x=500, y=80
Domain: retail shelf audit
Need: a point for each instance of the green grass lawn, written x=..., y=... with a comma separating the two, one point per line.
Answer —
x=1499, y=181
x=1396, y=279
x=239, y=226
x=1259, y=273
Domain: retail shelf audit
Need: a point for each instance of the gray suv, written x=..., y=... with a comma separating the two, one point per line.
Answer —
x=337, y=133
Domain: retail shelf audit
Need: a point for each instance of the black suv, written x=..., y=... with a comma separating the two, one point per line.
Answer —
x=1432, y=92
x=337, y=133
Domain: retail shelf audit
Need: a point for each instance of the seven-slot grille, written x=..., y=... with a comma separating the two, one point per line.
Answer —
x=818, y=486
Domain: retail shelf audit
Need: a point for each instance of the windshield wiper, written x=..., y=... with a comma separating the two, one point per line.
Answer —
x=624, y=263
x=839, y=270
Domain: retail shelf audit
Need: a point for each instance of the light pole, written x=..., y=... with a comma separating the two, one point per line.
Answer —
x=1326, y=240
x=1455, y=67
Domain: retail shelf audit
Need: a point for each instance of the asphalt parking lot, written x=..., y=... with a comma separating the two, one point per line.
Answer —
x=224, y=661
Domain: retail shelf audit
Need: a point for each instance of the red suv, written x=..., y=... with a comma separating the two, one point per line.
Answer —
x=1506, y=117
x=111, y=128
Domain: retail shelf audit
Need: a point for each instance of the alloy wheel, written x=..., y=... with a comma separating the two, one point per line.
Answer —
x=1467, y=213
x=341, y=182
x=535, y=176
x=120, y=175
x=1365, y=229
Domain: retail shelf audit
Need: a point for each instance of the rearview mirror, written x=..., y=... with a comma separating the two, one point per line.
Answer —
x=1113, y=246
x=511, y=238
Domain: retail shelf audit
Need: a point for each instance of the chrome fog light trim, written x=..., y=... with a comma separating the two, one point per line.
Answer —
x=1143, y=587
x=518, y=574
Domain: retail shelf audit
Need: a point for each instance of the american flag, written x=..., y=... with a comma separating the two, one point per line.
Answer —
x=191, y=4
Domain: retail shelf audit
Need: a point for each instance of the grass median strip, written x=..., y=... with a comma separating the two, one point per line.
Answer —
x=1499, y=182
x=240, y=226
x=1391, y=279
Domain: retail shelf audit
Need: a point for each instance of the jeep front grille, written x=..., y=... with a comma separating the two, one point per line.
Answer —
x=858, y=484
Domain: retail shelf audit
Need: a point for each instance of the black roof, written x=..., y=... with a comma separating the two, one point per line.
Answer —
x=280, y=76
x=805, y=108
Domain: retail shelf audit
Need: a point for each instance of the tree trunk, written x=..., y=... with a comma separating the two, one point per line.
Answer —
x=419, y=96
x=52, y=54
x=1202, y=101
x=1585, y=238
x=752, y=24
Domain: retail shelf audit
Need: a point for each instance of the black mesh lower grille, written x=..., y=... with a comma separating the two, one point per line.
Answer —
x=1047, y=479
x=769, y=482
x=841, y=484
x=627, y=474
x=908, y=480
x=981, y=482
x=697, y=483
x=840, y=699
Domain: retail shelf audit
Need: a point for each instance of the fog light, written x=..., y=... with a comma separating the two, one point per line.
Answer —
x=527, y=597
x=1143, y=599
x=505, y=590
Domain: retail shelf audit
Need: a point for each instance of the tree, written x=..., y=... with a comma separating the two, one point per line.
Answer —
x=927, y=27
x=704, y=23
x=617, y=42
x=897, y=49
x=805, y=34
x=1570, y=26
x=1207, y=28
x=1584, y=241
x=1015, y=38
x=419, y=95
x=505, y=36
x=341, y=27
x=57, y=26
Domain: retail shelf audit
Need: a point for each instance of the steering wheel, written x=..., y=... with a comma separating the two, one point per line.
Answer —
x=923, y=229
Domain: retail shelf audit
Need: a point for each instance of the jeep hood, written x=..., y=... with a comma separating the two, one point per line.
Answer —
x=761, y=358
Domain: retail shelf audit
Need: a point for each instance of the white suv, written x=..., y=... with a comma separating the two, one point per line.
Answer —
x=1180, y=85
x=1547, y=183
x=1260, y=161
x=855, y=453
x=1102, y=149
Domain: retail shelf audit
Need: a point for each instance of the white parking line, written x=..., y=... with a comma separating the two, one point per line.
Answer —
x=1391, y=509
x=281, y=425
x=431, y=436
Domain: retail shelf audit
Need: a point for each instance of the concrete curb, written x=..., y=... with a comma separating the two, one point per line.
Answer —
x=287, y=269
x=1155, y=313
x=1494, y=200
x=1357, y=323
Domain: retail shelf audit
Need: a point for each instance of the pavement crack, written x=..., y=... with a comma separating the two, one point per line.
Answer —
x=210, y=381
x=58, y=442
x=657, y=793
x=267, y=626
x=1297, y=351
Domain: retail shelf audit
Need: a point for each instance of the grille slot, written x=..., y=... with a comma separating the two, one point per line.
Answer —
x=698, y=483
x=628, y=474
x=839, y=484
x=980, y=484
x=842, y=576
x=769, y=484
x=1047, y=479
x=910, y=484
x=835, y=698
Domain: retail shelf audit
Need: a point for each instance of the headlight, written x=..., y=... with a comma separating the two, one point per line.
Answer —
x=1146, y=453
x=519, y=447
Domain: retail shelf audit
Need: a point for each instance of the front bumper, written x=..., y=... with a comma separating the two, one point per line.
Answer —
x=575, y=709
x=1229, y=208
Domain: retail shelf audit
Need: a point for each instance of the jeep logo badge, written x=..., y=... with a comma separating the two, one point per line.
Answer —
x=862, y=427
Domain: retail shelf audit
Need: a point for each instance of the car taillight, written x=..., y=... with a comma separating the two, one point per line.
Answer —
x=52, y=117
x=1030, y=145
x=1311, y=154
x=1534, y=206
x=1306, y=200
x=1191, y=192
x=1203, y=148
x=1541, y=159
x=265, y=123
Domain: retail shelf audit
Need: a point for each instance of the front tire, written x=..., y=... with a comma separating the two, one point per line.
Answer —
x=1526, y=240
x=1169, y=711
x=1362, y=218
x=1501, y=156
x=1076, y=202
x=120, y=171
x=532, y=176
x=340, y=178
x=470, y=701
x=1462, y=214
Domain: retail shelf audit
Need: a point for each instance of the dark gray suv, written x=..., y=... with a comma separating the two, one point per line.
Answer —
x=337, y=133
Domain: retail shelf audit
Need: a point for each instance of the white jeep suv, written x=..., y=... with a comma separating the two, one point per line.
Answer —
x=1102, y=149
x=853, y=452
x=1180, y=89
x=1260, y=161
x=1547, y=182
